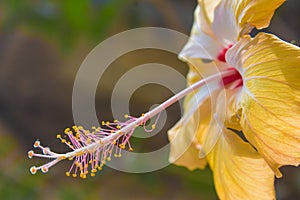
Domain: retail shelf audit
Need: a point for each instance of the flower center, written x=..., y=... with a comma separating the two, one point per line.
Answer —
x=222, y=53
x=233, y=81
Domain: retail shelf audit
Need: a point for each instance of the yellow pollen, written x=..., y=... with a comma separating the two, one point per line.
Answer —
x=82, y=175
x=74, y=175
x=122, y=146
x=92, y=174
x=153, y=126
x=30, y=154
x=67, y=173
x=88, y=141
x=67, y=130
x=130, y=149
x=44, y=169
x=62, y=157
x=58, y=136
x=33, y=170
x=126, y=116
x=79, y=154
x=36, y=143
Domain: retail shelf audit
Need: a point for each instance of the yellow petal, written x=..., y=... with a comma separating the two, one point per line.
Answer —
x=206, y=15
x=256, y=13
x=269, y=102
x=239, y=171
x=183, y=140
x=184, y=151
x=222, y=110
x=232, y=118
x=184, y=135
x=226, y=20
x=224, y=24
x=200, y=45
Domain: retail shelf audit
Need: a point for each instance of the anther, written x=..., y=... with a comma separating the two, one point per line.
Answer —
x=67, y=130
x=36, y=144
x=33, y=170
x=30, y=153
x=44, y=169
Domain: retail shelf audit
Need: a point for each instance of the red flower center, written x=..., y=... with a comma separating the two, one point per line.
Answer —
x=222, y=53
x=235, y=80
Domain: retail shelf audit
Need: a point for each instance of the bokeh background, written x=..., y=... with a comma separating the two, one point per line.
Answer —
x=42, y=44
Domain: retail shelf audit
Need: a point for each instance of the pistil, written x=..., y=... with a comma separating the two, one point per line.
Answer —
x=91, y=150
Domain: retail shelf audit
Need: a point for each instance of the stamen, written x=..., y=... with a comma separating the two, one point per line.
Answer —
x=90, y=150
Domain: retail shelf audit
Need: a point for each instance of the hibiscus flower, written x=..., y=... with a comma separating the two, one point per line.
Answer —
x=242, y=106
x=249, y=127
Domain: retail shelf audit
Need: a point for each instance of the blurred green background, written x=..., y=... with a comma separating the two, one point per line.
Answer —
x=42, y=44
